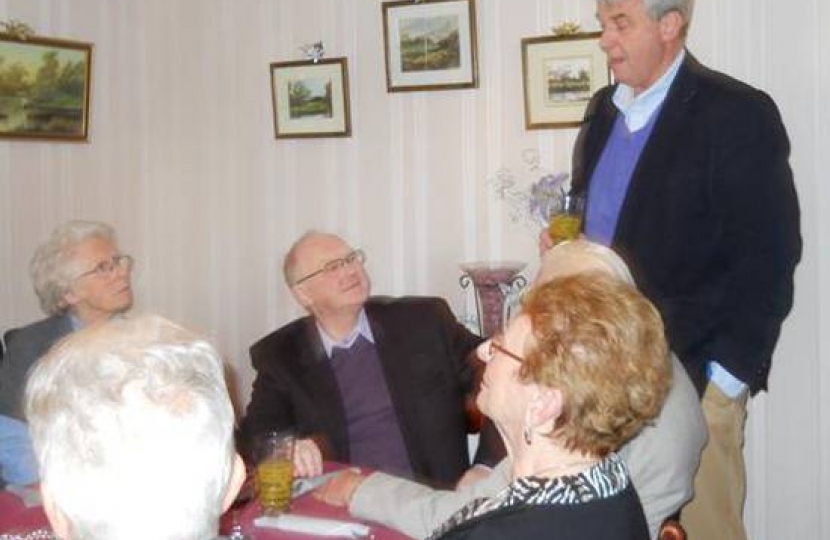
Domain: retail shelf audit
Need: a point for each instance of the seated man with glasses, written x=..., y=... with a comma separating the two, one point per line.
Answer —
x=80, y=278
x=375, y=382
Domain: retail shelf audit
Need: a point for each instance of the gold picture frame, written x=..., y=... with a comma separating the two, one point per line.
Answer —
x=560, y=74
x=430, y=45
x=44, y=88
x=311, y=98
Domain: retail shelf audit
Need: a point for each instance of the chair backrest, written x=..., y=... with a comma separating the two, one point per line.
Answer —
x=671, y=529
x=4, y=343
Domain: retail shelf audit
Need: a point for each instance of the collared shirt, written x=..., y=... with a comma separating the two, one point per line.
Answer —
x=75, y=323
x=362, y=329
x=637, y=110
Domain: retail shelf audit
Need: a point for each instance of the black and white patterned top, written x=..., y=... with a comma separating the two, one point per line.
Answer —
x=606, y=479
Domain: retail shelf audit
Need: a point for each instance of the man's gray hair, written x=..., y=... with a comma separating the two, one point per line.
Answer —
x=658, y=8
x=132, y=427
x=52, y=267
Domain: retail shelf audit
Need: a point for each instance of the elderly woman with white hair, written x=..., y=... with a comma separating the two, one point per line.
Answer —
x=661, y=459
x=80, y=278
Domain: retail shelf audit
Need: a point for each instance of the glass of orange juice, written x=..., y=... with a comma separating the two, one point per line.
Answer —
x=275, y=471
x=566, y=219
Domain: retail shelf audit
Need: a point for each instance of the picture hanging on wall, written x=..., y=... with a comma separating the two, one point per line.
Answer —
x=430, y=45
x=44, y=88
x=311, y=98
x=560, y=74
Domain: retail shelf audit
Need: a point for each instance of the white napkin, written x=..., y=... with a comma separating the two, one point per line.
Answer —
x=311, y=525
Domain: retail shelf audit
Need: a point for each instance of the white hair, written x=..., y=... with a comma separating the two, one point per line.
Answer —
x=52, y=267
x=567, y=258
x=133, y=431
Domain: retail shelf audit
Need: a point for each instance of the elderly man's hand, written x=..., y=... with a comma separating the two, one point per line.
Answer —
x=308, y=461
x=339, y=490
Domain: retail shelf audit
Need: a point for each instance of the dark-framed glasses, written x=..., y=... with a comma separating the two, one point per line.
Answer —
x=494, y=346
x=354, y=257
x=108, y=267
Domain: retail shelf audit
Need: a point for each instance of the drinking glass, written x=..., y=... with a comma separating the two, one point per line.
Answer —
x=566, y=220
x=275, y=472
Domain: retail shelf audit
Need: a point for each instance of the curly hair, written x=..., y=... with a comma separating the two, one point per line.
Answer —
x=602, y=344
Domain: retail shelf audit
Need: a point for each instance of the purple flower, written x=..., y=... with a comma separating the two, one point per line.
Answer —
x=546, y=196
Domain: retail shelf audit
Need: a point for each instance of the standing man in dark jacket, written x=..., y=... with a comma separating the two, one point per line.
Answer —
x=369, y=381
x=686, y=175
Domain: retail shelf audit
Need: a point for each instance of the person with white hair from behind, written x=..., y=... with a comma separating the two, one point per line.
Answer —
x=132, y=427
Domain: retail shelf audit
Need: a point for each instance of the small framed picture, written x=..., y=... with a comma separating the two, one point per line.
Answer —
x=44, y=88
x=560, y=74
x=311, y=99
x=430, y=45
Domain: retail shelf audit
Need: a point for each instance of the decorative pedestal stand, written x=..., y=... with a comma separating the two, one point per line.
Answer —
x=493, y=281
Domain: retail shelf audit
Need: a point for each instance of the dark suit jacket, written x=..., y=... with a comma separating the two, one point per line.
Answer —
x=710, y=223
x=25, y=347
x=423, y=350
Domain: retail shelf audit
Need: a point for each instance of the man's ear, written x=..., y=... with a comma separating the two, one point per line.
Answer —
x=235, y=483
x=56, y=517
x=299, y=293
x=671, y=26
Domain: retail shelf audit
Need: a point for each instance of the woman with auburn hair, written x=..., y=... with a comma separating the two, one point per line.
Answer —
x=577, y=374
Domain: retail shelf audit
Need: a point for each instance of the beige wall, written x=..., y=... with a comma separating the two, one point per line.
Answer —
x=182, y=160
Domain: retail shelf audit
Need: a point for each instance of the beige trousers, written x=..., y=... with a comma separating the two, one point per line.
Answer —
x=716, y=512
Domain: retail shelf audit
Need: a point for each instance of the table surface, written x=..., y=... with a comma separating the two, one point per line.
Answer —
x=16, y=518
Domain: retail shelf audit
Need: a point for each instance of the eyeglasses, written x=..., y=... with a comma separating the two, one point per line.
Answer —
x=493, y=346
x=355, y=257
x=107, y=268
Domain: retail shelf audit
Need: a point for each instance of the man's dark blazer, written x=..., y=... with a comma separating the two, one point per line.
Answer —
x=710, y=223
x=26, y=345
x=423, y=351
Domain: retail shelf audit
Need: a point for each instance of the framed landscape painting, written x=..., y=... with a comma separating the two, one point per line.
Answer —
x=430, y=45
x=311, y=99
x=560, y=74
x=44, y=88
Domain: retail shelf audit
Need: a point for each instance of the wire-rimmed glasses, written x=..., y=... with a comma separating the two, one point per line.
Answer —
x=108, y=267
x=356, y=256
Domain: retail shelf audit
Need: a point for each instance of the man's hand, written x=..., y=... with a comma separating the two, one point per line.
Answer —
x=308, y=461
x=339, y=490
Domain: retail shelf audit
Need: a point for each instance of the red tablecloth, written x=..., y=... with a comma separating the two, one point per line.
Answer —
x=15, y=517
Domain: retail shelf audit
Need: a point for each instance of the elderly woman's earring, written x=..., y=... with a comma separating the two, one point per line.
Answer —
x=527, y=433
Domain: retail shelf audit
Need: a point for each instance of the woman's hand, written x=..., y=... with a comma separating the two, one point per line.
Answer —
x=308, y=460
x=339, y=490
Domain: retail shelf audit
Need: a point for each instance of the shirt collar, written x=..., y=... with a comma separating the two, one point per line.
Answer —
x=637, y=110
x=75, y=322
x=361, y=329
